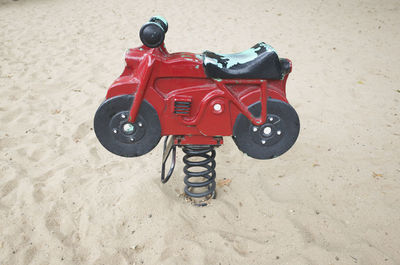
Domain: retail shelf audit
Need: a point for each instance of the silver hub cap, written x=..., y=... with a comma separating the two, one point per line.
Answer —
x=128, y=128
x=267, y=130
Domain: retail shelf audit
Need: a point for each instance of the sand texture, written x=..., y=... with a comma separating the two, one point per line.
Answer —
x=334, y=198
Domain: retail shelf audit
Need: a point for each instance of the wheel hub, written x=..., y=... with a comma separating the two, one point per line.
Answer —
x=269, y=133
x=128, y=128
x=125, y=131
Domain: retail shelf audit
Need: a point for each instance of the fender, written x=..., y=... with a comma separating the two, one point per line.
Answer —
x=127, y=83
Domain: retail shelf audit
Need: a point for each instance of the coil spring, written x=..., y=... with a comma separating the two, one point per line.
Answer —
x=199, y=183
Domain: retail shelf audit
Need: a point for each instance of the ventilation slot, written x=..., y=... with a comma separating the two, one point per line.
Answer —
x=182, y=107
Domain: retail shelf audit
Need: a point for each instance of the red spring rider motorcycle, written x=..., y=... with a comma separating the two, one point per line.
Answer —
x=197, y=99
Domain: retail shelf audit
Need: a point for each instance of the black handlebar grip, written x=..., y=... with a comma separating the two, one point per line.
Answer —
x=152, y=33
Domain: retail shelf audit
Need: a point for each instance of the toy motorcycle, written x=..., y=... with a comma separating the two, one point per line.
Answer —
x=197, y=99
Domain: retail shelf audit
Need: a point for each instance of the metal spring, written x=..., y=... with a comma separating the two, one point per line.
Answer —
x=199, y=183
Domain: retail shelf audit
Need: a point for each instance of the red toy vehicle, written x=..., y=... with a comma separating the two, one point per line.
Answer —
x=197, y=99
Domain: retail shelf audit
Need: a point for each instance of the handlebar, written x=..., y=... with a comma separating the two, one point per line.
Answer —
x=152, y=33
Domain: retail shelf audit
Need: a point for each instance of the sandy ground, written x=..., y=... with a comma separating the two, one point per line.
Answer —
x=334, y=198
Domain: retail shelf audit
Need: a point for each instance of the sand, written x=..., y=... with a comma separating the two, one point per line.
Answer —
x=334, y=198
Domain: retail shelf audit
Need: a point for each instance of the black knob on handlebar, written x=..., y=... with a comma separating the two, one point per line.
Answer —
x=161, y=21
x=152, y=33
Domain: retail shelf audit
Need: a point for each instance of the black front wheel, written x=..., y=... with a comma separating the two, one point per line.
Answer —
x=273, y=138
x=121, y=137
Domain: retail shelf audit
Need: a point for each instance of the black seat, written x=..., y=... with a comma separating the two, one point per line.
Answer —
x=258, y=62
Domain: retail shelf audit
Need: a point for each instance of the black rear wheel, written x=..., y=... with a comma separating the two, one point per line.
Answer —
x=273, y=138
x=121, y=137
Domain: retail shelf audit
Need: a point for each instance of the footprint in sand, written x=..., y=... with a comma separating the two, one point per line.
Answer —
x=38, y=195
x=8, y=187
x=82, y=130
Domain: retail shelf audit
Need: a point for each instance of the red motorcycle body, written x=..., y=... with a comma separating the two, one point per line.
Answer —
x=197, y=99
x=188, y=103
